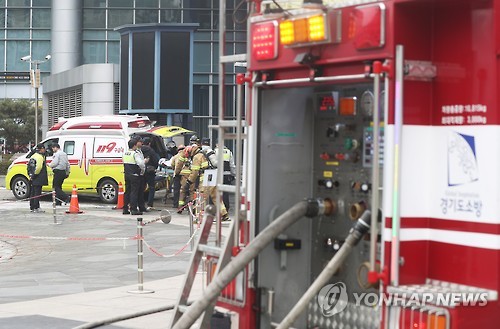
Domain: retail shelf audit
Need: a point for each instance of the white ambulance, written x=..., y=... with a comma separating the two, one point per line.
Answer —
x=95, y=145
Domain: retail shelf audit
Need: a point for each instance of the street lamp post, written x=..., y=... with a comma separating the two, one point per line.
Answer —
x=35, y=82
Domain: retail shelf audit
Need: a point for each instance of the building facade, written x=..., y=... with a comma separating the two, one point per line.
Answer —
x=79, y=32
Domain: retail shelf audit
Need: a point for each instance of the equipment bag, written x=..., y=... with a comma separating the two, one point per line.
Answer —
x=31, y=167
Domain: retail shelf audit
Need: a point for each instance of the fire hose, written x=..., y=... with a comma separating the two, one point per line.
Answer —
x=308, y=208
x=362, y=226
x=119, y=318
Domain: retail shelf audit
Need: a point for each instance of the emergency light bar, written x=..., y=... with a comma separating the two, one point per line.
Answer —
x=304, y=31
x=293, y=32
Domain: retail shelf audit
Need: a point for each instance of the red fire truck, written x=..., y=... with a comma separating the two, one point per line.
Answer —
x=381, y=114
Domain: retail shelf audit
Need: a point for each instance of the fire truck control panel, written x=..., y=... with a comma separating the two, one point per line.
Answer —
x=378, y=116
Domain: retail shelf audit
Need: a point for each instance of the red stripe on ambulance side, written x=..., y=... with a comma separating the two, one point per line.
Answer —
x=105, y=161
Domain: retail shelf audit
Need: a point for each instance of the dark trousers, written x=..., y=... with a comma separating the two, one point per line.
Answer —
x=59, y=177
x=150, y=180
x=131, y=195
x=35, y=192
x=227, y=180
x=177, y=190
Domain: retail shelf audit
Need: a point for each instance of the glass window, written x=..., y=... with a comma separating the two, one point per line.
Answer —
x=16, y=50
x=42, y=3
x=18, y=18
x=229, y=22
x=45, y=67
x=41, y=34
x=170, y=16
x=201, y=57
x=2, y=18
x=42, y=18
x=114, y=52
x=2, y=55
x=146, y=4
x=146, y=16
x=200, y=78
x=69, y=147
x=19, y=3
x=241, y=48
x=202, y=36
x=18, y=34
x=240, y=20
x=94, y=18
x=94, y=3
x=94, y=35
x=94, y=52
x=203, y=17
x=2, y=3
x=197, y=4
x=170, y=3
x=113, y=35
x=40, y=49
x=121, y=3
x=119, y=17
x=201, y=100
x=240, y=36
x=215, y=63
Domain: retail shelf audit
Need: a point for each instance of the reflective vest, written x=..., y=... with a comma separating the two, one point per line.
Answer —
x=227, y=158
x=129, y=163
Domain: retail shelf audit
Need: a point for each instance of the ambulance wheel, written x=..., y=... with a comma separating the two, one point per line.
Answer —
x=20, y=187
x=108, y=191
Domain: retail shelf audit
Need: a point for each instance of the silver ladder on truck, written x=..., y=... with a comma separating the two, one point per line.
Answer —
x=227, y=130
x=203, y=248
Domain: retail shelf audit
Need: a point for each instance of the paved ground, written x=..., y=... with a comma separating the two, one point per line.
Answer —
x=81, y=269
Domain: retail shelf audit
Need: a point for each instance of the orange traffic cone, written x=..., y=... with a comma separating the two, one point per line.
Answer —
x=74, y=208
x=120, y=202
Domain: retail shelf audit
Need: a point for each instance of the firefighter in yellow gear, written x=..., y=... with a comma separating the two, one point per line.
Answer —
x=198, y=166
x=176, y=186
x=186, y=160
x=183, y=169
x=210, y=192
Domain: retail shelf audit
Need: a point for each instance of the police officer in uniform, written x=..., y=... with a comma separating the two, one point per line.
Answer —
x=38, y=179
x=134, y=167
x=150, y=175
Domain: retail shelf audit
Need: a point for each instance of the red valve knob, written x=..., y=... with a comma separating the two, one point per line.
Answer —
x=340, y=156
x=325, y=156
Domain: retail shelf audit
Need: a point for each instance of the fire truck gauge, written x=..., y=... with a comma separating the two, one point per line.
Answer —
x=367, y=103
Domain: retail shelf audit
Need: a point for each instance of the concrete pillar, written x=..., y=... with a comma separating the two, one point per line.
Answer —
x=66, y=35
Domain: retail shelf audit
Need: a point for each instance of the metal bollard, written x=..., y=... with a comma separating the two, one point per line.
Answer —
x=140, y=262
x=54, y=207
x=191, y=225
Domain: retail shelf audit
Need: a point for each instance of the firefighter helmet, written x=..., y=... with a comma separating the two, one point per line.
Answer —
x=194, y=139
